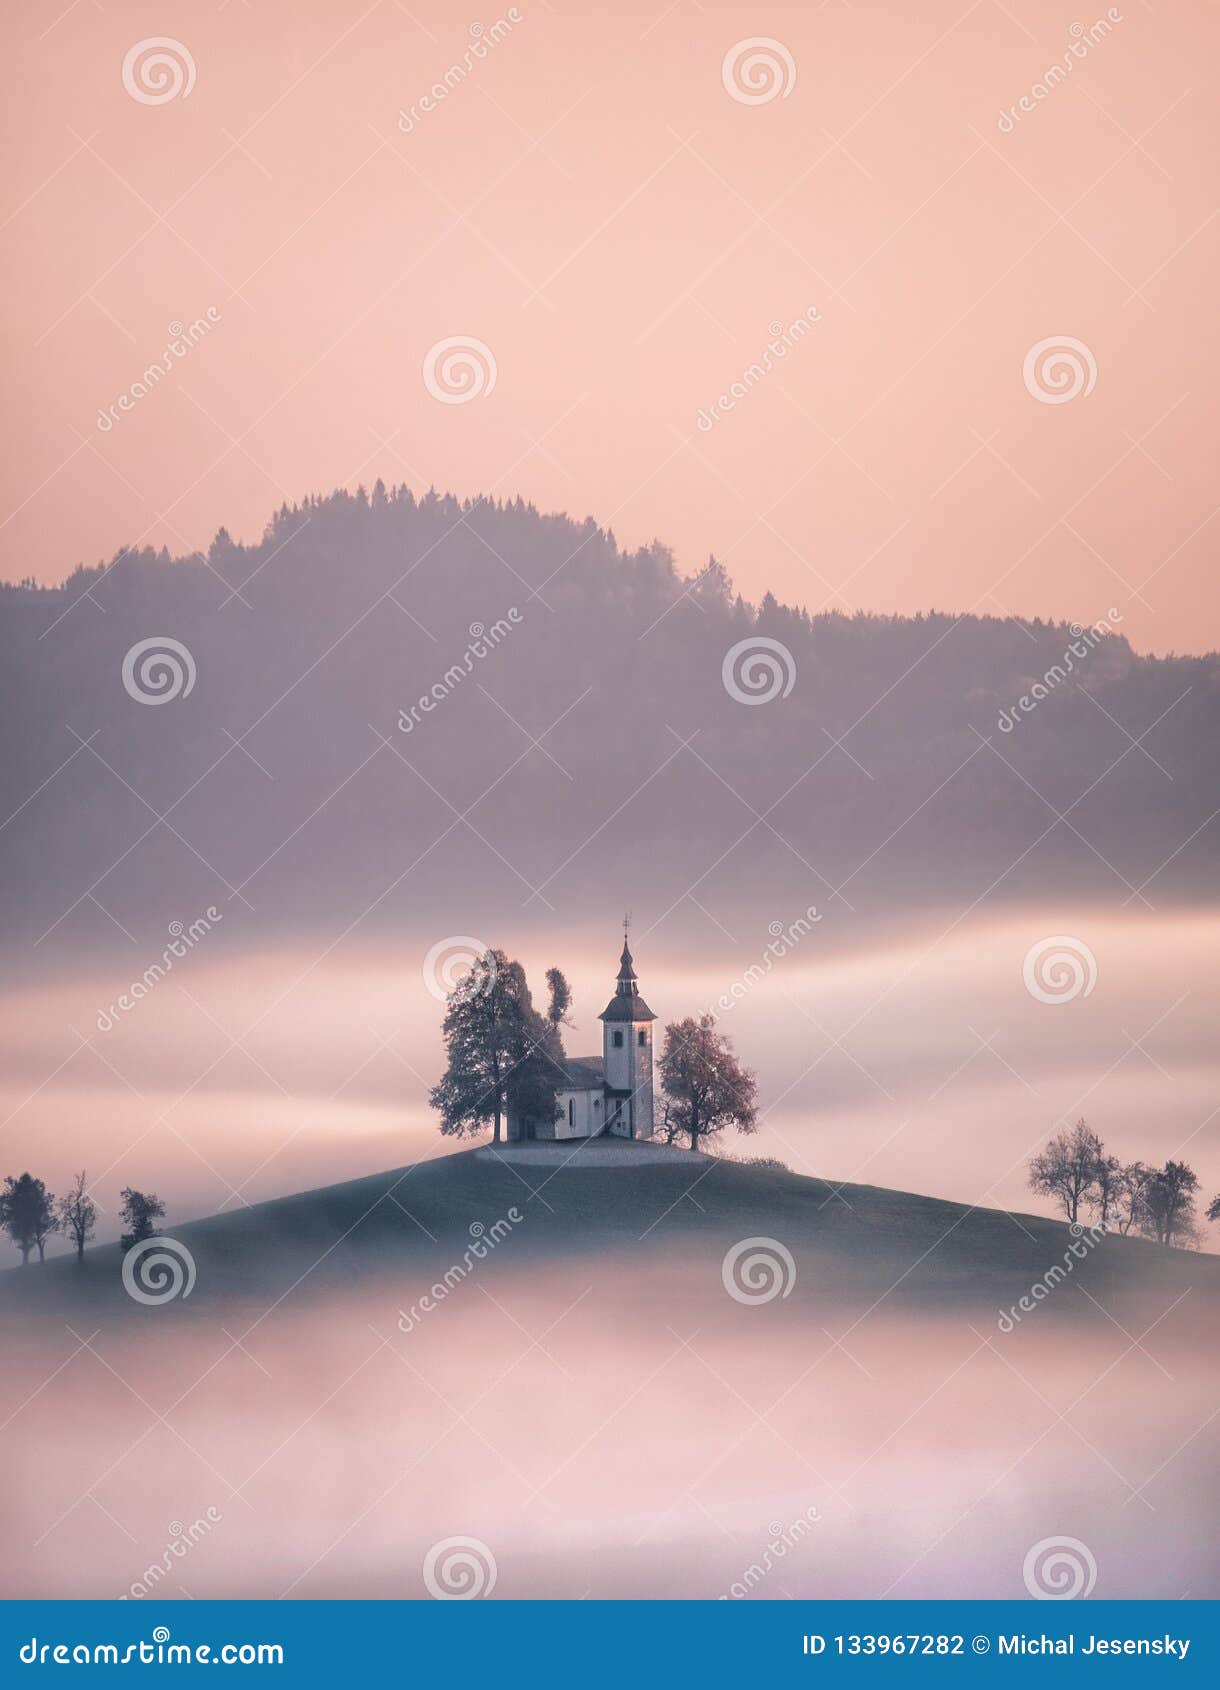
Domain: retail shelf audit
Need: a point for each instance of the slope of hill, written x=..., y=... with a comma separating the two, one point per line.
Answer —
x=855, y=1242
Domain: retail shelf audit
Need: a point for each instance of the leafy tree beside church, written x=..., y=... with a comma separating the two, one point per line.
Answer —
x=502, y=1054
x=706, y=1088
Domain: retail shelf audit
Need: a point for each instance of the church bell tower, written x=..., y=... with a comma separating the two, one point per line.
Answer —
x=627, y=1054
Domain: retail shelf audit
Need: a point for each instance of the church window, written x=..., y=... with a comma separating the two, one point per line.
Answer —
x=569, y=1111
x=643, y=1037
x=618, y=1041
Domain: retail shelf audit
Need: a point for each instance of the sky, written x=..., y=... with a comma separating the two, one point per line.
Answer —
x=996, y=396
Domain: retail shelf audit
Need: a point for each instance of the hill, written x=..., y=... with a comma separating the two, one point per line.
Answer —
x=852, y=1242
x=376, y=665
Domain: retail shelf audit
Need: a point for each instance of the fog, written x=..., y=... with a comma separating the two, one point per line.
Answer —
x=609, y=1429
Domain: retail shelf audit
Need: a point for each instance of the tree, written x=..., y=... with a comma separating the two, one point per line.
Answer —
x=1167, y=1207
x=1128, y=1202
x=1213, y=1209
x=77, y=1214
x=27, y=1214
x=501, y=1053
x=1067, y=1169
x=1108, y=1188
x=706, y=1089
x=140, y=1209
x=560, y=999
x=539, y=1070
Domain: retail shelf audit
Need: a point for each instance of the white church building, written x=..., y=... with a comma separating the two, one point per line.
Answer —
x=608, y=1095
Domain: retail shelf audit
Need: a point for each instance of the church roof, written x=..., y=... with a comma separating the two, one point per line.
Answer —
x=585, y=1073
x=626, y=1006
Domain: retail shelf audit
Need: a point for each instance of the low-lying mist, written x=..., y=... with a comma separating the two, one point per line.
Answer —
x=607, y=1428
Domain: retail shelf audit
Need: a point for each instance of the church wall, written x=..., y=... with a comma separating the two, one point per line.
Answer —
x=643, y=1080
x=629, y=1068
x=587, y=1110
x=617, y=1060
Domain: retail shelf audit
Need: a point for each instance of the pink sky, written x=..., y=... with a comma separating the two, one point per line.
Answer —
x=593, y=204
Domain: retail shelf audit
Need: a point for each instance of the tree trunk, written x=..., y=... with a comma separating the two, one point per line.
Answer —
x=42, y=1254
x=25, y=1253
x=496, y=1139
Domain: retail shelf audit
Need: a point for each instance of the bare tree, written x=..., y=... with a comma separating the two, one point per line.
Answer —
x=1107, y=1192
x=1129, y=1197
x=77, y=1214
x=1067, y=1169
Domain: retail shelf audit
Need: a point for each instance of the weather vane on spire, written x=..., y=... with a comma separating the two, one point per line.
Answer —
x=626, y=925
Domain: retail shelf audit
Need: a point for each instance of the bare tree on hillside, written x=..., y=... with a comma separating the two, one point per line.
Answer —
x=1067, y=1169
x=77, y=1214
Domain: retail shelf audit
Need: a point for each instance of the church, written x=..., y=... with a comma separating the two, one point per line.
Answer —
x=608, y=1095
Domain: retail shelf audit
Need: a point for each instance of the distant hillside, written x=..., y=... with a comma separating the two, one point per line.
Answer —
x=852, y=1243
x=353, y=609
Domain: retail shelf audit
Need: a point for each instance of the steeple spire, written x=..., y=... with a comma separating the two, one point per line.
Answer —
x=627, y=1004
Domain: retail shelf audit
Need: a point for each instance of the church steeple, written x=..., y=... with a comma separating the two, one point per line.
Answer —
x=627, y=1052
x=626, y=1004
